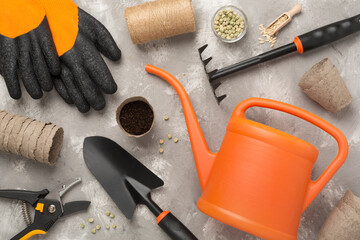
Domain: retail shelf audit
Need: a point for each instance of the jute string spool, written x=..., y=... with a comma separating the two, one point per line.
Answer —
x=30, y=138
x=160, y=19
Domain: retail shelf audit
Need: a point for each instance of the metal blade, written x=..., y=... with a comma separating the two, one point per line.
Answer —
x=73, y=207
x=112, y=165
x=59, y=191
x=141, y=189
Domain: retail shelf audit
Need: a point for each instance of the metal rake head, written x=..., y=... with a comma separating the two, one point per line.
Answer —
x=211, y=74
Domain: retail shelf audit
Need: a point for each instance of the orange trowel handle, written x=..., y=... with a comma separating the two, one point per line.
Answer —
x=314, y=186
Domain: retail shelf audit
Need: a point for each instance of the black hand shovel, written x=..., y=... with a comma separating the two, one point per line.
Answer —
x=129, y=183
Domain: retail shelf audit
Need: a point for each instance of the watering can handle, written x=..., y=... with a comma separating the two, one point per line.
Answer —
x=316, y=186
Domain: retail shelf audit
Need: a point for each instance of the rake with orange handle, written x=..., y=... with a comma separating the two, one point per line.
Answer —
x=302, y=43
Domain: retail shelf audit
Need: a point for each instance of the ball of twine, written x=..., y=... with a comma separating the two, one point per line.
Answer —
x=160, y=19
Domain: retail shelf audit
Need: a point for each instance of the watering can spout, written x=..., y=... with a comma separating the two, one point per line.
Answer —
x=204, y=158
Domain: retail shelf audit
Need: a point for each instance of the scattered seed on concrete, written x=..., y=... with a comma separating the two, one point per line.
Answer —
x=93, y=231
x=169, y=136
x=91, y=220
x=176, y=140
x=166, y=118
x=107, y=213
x=270, y=38
x=114, y=226
x=112, y=215
x=98, y=227
x=161, y=150
x=161, y=141
x=107, y=227
x=82, y=225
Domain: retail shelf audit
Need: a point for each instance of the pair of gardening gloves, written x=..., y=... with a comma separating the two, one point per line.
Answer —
x=47, y=43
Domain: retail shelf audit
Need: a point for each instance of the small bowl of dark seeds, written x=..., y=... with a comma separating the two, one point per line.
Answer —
x=135, y=116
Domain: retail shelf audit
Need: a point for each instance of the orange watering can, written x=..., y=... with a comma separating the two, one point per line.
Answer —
x=259, y=181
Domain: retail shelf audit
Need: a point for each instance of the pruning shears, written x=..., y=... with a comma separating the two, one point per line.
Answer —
x=48, y=208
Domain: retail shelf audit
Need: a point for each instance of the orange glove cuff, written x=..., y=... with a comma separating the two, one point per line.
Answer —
x=64, y=22
x=18, y=17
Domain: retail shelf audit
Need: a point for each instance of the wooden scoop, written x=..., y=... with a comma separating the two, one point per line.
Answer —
x=282, y=20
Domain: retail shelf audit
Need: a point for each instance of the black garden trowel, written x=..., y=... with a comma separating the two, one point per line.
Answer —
x=129, y=182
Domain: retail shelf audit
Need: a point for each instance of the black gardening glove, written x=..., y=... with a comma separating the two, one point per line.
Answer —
x=78, y=38
x=26, y=48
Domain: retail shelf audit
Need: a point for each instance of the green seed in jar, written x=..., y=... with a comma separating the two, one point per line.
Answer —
x=228, y=24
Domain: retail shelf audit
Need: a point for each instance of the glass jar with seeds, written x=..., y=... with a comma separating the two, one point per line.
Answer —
x=229, y=24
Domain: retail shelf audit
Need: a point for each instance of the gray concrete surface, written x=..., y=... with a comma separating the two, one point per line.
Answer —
x=178, y=55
